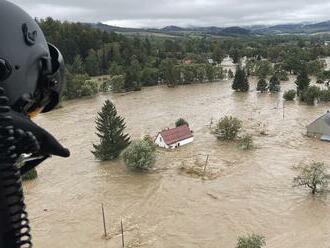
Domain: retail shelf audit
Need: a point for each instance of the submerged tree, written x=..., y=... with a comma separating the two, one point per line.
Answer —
x=230, y=74
x=140, y=155
x=312, y=176
x=181, y=122
x=246, y=142
x=89, y=88
x=282, y=75
x=251, y=241
x=302, y=81
x=118, y=83
x=110, y=129
x=235, y=55
x=150, y=141
x=262, y=85
x=263, y=68
x=289, y=95
x=228, y=128
x=240, y=82
x=274, y=84
x=310, y=94
x=74, y=85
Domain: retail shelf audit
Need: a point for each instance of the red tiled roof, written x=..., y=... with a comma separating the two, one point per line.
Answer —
x=174, y=135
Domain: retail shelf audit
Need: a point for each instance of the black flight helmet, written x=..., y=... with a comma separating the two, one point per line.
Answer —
x=31, y=70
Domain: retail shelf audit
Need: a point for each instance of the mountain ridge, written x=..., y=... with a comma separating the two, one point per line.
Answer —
x=289, y=28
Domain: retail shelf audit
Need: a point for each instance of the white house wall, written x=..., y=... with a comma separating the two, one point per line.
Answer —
x=160, y=142
x=182, y=143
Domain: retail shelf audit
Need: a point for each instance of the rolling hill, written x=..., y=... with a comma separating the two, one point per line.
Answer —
x=299, y=28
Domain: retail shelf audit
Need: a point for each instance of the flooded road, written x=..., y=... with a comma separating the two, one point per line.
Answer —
x=165, y=208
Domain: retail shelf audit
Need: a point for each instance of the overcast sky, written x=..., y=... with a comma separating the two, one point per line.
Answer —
x=159, y=13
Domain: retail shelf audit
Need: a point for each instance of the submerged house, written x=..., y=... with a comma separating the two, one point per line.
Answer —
x=320, y=128
x=175, y=137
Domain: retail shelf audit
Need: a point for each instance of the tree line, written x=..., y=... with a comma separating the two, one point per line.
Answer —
x=137, y=61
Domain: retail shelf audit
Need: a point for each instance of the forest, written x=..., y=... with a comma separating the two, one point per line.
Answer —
x=136, y=61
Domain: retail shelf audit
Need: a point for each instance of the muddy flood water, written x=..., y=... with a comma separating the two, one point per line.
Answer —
x=247, y=191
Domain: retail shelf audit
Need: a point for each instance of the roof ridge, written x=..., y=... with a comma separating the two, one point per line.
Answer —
x=319, y=118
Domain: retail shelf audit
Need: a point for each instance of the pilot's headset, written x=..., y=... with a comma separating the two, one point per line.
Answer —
x=31, y=70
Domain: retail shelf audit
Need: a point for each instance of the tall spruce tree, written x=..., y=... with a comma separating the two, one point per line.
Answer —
x=110, y=129
x=302, y=81
x=240, y=82
x=274, y=84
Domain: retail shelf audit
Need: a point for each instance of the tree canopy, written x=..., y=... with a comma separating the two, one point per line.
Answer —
x=151, y=60
x=110, y=130
x=241, y=82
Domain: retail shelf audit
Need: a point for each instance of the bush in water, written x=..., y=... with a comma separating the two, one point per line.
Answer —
x=181, y=122
x=228, y=128
x=312, y=176
x=262, y=85
x=251, y=241
x=289, y=95
x=140, y=155
x=246, y=142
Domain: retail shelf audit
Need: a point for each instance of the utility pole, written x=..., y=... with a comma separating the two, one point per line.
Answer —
x=122, y=233
x=206, y=162
x=104, y=225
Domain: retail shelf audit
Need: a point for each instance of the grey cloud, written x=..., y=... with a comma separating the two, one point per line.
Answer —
x=180, y=12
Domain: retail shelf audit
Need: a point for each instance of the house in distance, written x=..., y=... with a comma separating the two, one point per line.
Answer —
x=320, y=128
x=175, y=137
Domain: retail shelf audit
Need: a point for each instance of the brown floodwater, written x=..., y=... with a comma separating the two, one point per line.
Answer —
x=251, y=193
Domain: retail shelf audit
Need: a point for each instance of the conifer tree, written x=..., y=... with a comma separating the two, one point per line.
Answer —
x=274, y=84
x=230, y=74
x=240, y=82
x=110, y=129
x=262, y=85
x=302, y=81
x=92, y=64
x=77, y=65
